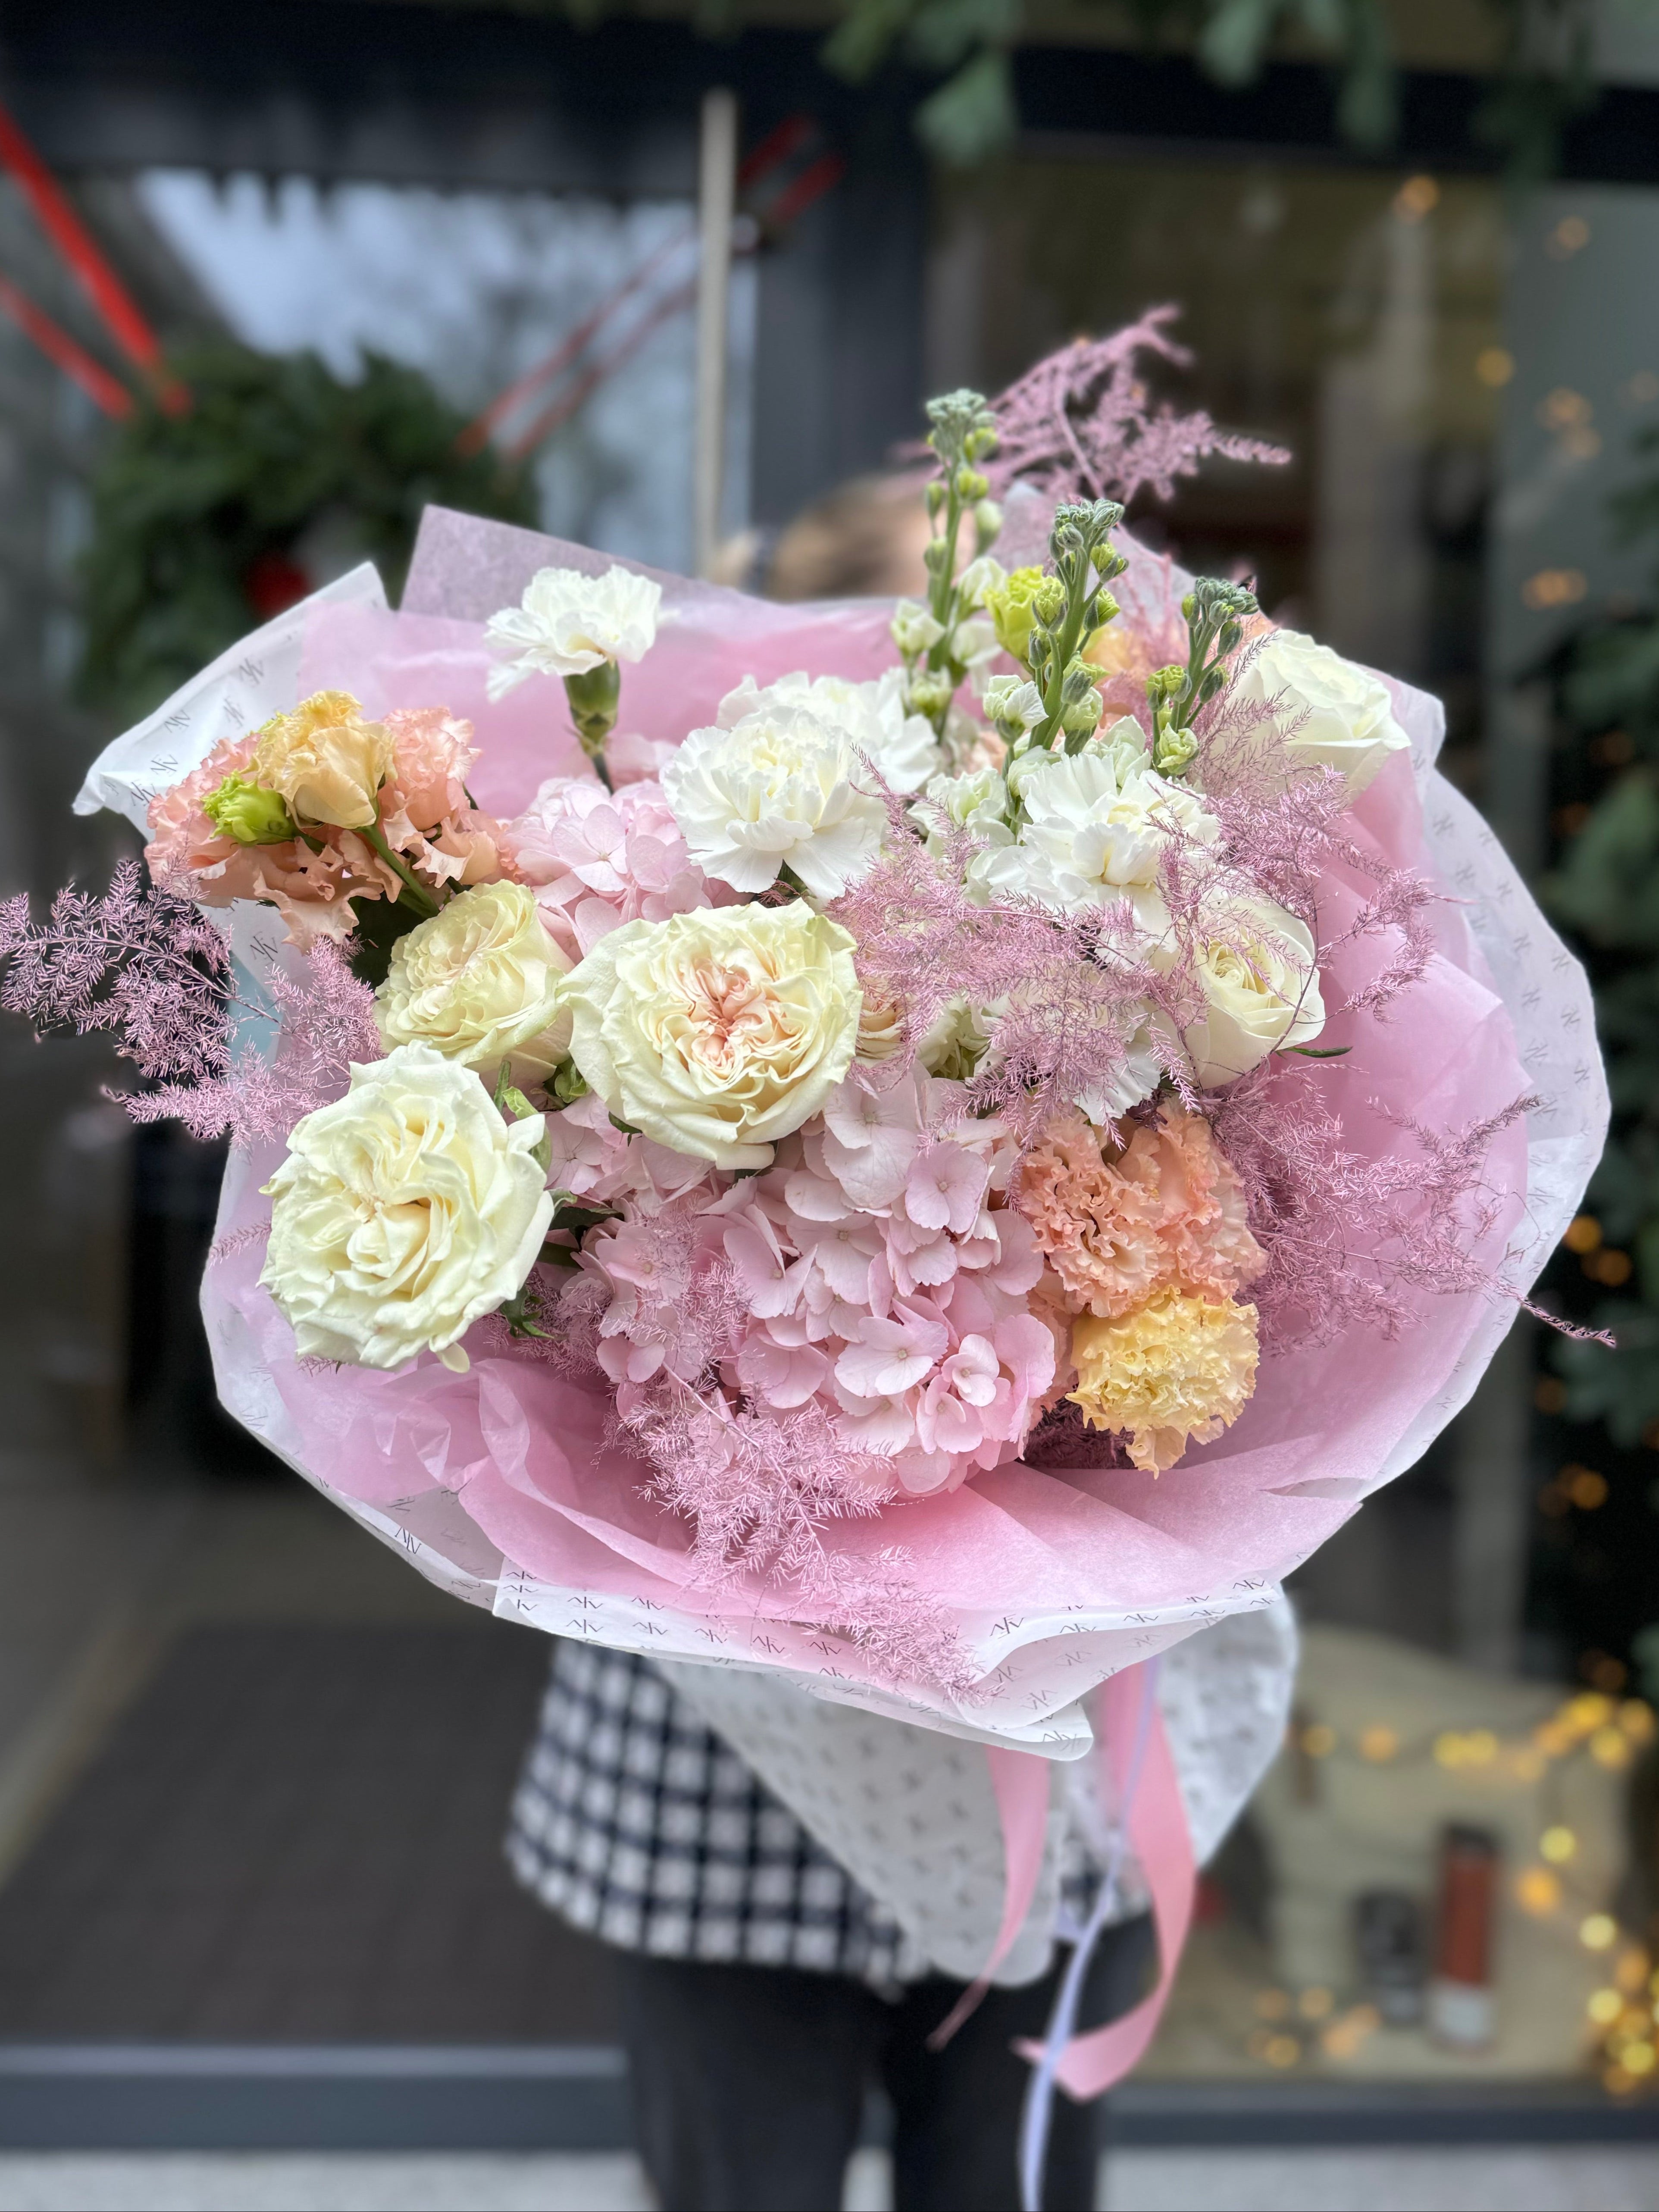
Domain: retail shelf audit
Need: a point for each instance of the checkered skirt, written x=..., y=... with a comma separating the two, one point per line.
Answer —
x=634, y=1820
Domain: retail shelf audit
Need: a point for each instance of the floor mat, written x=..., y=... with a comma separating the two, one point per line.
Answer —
x=293, y=1835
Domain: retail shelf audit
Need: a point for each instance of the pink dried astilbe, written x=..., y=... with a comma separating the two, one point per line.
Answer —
x=1283, y=831
x=1073, y=988
x=1350, y=1240
x=1081, y=425
x=758, y=1490
x=146, y=967
x=139, y=965
x=326, y=1024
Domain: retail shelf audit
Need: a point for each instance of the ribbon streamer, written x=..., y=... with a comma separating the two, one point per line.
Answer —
x=86, y=260
x=1021, y=1782
x=1155, y=1820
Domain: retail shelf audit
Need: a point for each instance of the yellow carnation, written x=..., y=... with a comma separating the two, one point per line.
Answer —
x=1175, y=1371
x=325, y=760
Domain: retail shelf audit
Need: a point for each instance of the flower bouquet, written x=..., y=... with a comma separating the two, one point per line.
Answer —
x=920, y=1154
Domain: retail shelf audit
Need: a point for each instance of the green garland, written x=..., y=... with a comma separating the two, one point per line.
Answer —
x=197, y=517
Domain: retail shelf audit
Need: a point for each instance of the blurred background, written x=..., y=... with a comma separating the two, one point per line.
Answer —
x=253, y=1771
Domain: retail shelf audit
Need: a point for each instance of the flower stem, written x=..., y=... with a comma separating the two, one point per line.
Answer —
x=414, y=890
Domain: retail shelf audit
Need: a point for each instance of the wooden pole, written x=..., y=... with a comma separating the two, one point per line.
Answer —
x=716, y=196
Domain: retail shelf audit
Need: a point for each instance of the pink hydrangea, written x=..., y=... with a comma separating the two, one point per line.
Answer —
x=871, y=1273
x=598, y=858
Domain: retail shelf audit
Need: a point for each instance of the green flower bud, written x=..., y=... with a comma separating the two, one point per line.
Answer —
x=971, y=485
x=1173, y=750
x=930, y=694
x=988, y=524
x=566, y=1084
x=593, y=697
x=241, y=809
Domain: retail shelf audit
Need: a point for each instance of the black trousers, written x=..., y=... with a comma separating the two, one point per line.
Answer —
x=748, y=2084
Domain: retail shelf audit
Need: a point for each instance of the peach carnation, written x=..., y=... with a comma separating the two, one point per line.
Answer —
x=1120, y=1225
x=1175, y=1371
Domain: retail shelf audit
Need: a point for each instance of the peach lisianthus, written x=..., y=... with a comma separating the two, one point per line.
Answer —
x=426, y=813
x=311, y=886
x=1120, y=1225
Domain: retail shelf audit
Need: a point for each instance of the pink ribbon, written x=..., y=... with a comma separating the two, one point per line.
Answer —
x=1156, y=1820
x=1020, y=1780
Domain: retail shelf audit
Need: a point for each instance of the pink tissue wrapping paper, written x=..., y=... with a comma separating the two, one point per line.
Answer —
x=498, y=1483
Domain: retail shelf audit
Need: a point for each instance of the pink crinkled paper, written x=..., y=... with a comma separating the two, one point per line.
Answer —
x=500, y=1483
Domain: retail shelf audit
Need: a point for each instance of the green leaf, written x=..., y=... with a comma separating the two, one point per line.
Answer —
x=1319, y=1051
x=972, y=115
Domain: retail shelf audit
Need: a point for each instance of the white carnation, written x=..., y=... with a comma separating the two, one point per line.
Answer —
x=900, y=747
x=402, y=1213
x=1326, y=713
x=568, y=623
x=1102, y=820
x=778, y=787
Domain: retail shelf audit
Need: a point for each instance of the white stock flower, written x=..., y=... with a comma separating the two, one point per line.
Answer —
x=1103, y=820
x=568, y=623
x=1261, y=979
x=778, y=787
x=1327, y=713
x=976, y=801
x=717, y=1032
x=1014, y=703
x=914, y=628
x=480, y=984
x=980, y=576
x=900, y=747
x=403, y=1211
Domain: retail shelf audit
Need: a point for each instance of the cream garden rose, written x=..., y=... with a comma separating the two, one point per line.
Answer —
x=1327, y=713
x=325, y=760
x=566, y=623
x=778, y=788
x=402, y=1213
x=1260, y=984
x=479, y=983
x=717, y=1032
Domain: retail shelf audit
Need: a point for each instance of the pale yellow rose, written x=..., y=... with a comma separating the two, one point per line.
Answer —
x=1260, y=983
x=402, y=1213
x=1327, y=712
x=480, y=984
x=325, y=760
x=719, y=1031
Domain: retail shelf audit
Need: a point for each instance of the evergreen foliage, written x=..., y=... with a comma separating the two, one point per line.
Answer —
x=203, y=521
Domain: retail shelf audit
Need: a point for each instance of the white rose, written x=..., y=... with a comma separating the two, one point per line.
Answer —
x=480, y=984
x=779, y=787
x=403, y=1212
x=1261, y=980
x=716, y=1033
x=900, y=747
x=568, y=623
x=1327, y=713
x=1102, y=821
